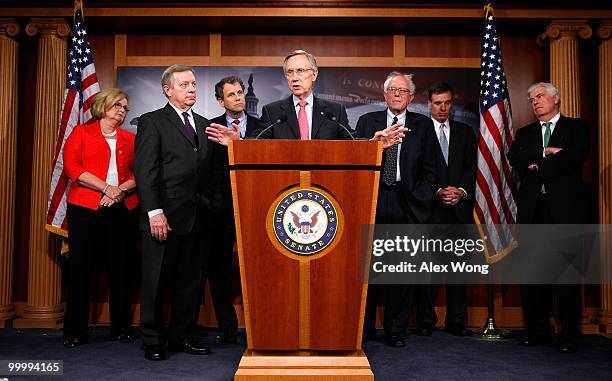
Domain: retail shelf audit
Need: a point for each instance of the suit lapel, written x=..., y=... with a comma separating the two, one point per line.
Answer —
x=408, y=124
x=537, y=134
x=557, y=137
x=289, y=110
x=454, y=142
x=122, y=140
x=381, y=121
x=177, y=122
x=317, y=119
x=199, y=127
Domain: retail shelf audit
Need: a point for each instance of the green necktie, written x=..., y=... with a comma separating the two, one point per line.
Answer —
x=547, y=134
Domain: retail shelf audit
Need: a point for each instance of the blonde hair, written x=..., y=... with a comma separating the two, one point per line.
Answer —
x=104, y=100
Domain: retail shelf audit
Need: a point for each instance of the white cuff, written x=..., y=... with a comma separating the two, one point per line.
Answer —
x=155, y=212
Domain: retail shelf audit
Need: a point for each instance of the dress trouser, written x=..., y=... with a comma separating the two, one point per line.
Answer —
x=171, y=267
x=392, y=208
x=537, y=299
x=456, y=294
x=98, y=236
x=218, y=271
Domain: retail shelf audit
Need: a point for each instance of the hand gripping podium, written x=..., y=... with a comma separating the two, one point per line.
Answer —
x=299, y=208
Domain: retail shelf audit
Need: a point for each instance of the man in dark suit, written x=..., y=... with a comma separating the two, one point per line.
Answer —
x=229, y=92
x=305, y=113
x=303, y=116
x=406, y=191
x=179, y=176
x=456, y=169
x=549, y=155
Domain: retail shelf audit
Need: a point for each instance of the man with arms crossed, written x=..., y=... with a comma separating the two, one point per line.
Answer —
x=549, y=155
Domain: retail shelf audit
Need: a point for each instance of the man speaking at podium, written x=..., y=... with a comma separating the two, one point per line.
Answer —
x=302, y=116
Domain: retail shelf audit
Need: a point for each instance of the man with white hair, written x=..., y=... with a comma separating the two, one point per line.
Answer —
x=180, y=175
x=405, y=196
x=549, y=155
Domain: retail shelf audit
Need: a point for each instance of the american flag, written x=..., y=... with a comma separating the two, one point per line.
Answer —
x=81, y=86
x=495, y=207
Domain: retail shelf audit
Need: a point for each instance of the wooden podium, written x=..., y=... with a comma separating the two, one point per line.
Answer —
x=299, y=208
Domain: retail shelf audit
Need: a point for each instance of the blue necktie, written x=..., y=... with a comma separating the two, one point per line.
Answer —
x=443, y=142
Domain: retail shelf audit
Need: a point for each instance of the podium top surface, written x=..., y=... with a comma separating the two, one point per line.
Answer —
x=311, y=152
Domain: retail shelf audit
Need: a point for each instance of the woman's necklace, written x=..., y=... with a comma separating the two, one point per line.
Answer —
x=111, y=134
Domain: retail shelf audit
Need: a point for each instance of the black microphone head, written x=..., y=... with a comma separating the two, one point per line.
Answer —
x=281, y=119
x=329, y=115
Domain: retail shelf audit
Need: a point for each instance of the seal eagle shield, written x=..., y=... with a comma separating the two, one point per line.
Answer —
x=305, y=221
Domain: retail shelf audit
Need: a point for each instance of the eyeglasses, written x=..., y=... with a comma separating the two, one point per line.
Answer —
x=119, y=106
x=402, y=90
x=297, y=72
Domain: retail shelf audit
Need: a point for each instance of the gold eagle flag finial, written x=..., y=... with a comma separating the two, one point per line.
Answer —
x=488, y=9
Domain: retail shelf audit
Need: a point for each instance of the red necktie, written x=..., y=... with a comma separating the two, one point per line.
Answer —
x=303, y=120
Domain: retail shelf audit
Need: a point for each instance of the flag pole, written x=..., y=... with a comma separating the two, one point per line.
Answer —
x=490, y=331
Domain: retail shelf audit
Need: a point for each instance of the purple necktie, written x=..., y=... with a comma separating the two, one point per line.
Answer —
x=188, y=128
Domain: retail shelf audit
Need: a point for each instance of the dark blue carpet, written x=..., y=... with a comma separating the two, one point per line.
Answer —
x=439, y=357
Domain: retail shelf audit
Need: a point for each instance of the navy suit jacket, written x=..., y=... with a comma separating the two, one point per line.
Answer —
x=253, y=124
x=175, y=173
x=417, y=158
x=322, y=127
x=561, y=173
x=460, y=172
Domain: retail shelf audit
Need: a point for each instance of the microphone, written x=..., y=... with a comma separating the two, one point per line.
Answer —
x=333, y=118
x=281, y=119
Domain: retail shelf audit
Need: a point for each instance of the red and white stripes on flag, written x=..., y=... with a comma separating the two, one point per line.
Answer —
x=81, y=86
x=495, y=208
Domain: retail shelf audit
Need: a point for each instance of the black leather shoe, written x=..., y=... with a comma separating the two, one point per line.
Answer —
x=567, y=347
x=73, y=341
x=532, y=341
x=155, y=352
x=191, y=347
x=225, y=338
x=395, y=341
x=124, y=335
x=459, y=331
x=423, y=331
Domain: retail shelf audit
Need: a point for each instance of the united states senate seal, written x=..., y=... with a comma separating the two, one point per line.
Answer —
x=305, y=221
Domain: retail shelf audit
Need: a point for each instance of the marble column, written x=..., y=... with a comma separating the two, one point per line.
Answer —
x=565, y=62
x=604, y=316
x=565, y=75
x=9, y=28
x=44, y=307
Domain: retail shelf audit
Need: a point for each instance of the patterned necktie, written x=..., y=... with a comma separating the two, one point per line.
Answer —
x=188, y=128
x=390, y=170
x=303, y=120
x=443, y=142
x=547, y=134
x=237, y=123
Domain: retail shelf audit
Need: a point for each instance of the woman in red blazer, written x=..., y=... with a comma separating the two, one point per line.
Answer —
x=99, y=158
